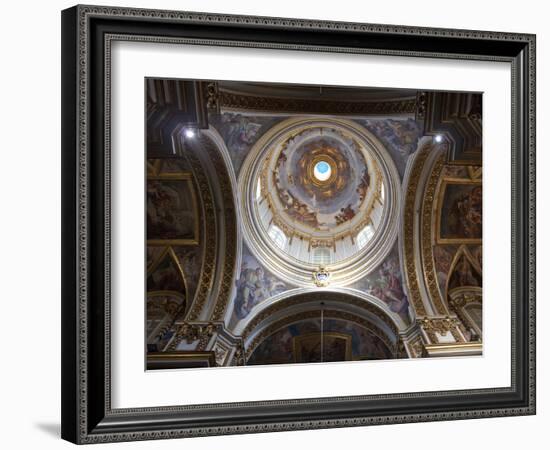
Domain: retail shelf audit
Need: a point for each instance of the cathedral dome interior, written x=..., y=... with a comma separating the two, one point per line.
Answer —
x=314, y=194
x=299, y=224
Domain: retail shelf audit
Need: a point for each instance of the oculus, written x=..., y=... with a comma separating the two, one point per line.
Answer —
x=322, y=171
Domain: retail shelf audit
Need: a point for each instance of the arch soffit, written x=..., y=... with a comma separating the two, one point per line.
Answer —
x=390, y=340
x=348, y=300
x=211, y=154
x=415, y=181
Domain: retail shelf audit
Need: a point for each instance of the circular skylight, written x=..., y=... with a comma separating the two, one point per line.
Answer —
x=322, y=171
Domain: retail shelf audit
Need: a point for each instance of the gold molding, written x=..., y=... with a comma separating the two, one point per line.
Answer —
x=416, y=347
x=461, y=349
x=230, y=220
x=430, y=276
x=208, y=270
x=475, y=173
x=210, y=238
x=153, y=166
x=333, y=170
x=191, y=332
x=408, y=231
x=230, y=101
x=441, y=325
x=175, y=356
x=460, y=299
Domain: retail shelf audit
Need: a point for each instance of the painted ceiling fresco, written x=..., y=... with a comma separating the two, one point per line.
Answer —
x=254, y=285
x=386, y=283
x=320, y=204
x=240, y=132
x=319, y=220
x=400, y=137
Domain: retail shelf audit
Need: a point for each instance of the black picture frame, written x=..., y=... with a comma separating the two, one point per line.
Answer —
x=87, y=416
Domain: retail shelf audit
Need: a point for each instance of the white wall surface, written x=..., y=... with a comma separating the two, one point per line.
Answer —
x=30, y=225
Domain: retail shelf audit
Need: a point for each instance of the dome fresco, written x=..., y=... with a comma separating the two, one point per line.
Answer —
x=333, y=196
x=319, y=183
x=319, y=195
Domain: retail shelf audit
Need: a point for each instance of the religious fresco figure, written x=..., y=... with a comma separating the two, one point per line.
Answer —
x=387, y=284
x=253, y=287
x=461, y=214
x=363, y=186
x=347, y=213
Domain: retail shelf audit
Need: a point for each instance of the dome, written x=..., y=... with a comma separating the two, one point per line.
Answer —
x=315, y=194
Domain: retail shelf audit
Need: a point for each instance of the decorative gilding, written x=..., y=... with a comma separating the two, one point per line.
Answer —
x=442, y=326
x=408, y=231
x=210, y=237
x=189, y=333
x=241, y=102
x=430, y=274
x=230, y=231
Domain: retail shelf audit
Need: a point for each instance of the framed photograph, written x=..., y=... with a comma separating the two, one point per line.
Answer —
x=255, y=207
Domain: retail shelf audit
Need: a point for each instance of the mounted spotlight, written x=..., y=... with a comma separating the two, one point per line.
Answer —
x=438, y=138
x=189, y=133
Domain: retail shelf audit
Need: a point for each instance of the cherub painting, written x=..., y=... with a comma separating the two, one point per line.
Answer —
x=347, y=213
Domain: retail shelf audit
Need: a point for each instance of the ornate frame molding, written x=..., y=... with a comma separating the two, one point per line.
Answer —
x=87, y=415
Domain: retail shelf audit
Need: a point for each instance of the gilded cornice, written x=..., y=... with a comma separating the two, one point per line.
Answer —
x=441, y=325
x=241, y=102
x=194, y=332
